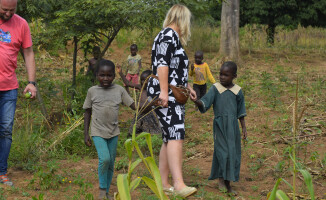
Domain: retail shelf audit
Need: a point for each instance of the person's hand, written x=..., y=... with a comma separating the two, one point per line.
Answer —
x=193, y=99
x=244, y=133
x=87, y=140
x=193, y=94
x=119, y=68
x=32, y=89
x=192, y=66
x=163, y=99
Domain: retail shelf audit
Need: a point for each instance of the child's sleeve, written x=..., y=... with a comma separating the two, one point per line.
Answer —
x=125, y=97
x=209, y=75
x=88, y=100
x=241, y=108
x=208, y=99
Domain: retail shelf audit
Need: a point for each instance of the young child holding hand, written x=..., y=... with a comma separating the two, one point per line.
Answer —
x=102, y=103
x=229, y=106
x=200, y=71
x=147, y=123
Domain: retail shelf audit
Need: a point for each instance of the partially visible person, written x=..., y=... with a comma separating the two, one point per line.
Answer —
x=102, y=105
x=14, y=34
x=133, y=66
x=91, y=70
x=200, y=71
x=146, y=122
x=229, y=105
x=170, y=64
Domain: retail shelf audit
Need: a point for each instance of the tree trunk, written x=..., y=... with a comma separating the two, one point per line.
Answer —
x=229, y=45
x=74, y=63
x=270, y=33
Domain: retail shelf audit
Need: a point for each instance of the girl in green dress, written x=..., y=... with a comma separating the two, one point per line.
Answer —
x=228, y=104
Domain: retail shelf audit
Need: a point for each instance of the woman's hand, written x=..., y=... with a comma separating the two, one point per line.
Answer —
x=163, y=76
x=163, y=99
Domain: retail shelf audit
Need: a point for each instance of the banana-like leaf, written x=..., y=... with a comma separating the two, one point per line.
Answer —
x=308, y=180
x=148, y=138
x=135, y=183
x=281, y=195
x=151, y=184
x=123, y=186
x=156, y=174
x=272, y=195
x=134, y=165
x=129, y=146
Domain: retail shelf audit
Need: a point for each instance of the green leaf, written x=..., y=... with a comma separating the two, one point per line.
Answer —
x=281, y=195
x=308, y=180
x=287, y=183
x=135, y=144
x=129, y=148
x=151, y=184
x=123, y=187
x=157, y=176
x=272, y=195
x=148, y=140
x=135, y=183
x=134, y=165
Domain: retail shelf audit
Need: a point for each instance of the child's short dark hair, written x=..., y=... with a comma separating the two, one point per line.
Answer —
x=96, y=48
x=146, y=73
x=199, y=52
x=134, y=46
x=103, y=63
x=231, y=65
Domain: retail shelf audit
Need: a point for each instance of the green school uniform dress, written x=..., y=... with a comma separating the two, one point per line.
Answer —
x=229, y=106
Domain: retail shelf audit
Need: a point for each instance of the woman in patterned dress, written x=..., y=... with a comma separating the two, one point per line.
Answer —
x=170, y=64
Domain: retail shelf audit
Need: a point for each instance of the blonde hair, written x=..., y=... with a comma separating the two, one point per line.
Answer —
x=179, y=15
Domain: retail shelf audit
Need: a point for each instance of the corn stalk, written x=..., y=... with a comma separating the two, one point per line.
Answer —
x=279, y=194
x=125, y=185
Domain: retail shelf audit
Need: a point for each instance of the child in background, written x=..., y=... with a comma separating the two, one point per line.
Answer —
x=201, y=72
x=229, y=106
x=133, y=65
x=102, y=104
x=148, y=123
x=91, y=70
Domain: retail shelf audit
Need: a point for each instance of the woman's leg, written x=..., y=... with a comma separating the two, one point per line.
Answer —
x=174, y=157
x=164, y=166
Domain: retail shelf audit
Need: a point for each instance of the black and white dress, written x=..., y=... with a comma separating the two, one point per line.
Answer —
x=168, y=51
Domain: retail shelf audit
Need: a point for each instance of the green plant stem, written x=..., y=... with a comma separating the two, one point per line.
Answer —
x=295, y=111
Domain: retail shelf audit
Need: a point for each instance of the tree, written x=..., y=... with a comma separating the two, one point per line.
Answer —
x=229, y=45
x=288, y=13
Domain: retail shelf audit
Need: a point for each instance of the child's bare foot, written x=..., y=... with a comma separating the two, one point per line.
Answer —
x=221, y=185
x=230, y=189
